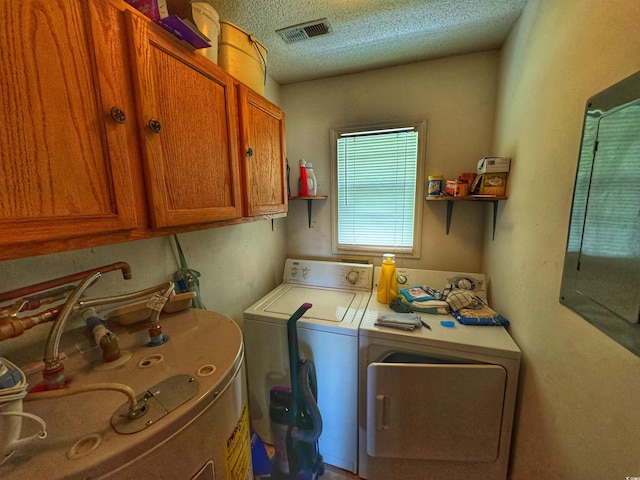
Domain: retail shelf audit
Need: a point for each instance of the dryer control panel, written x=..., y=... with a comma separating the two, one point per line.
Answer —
x=348, y=276
x=473, y=282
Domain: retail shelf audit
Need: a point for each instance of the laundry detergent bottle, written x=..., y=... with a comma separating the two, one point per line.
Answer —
x=387, y=286
x=303, y=181
x=311, y=181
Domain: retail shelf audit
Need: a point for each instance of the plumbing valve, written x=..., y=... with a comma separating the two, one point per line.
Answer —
x=156, y=303
x=105, y=338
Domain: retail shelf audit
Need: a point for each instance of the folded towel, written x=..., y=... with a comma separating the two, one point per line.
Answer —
x=400, y=305
x=403, y=321
x=416, y=294
x=439, y=294
x=435, y=307
x=458, y=299
x=431, y=303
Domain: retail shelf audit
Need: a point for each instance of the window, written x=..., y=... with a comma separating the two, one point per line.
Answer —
x=377, y=188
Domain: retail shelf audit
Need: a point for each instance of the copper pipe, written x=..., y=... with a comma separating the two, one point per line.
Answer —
x=13, y=326
x=74, y=277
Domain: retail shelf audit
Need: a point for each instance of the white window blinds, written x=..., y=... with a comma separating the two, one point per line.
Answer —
x=376, y=189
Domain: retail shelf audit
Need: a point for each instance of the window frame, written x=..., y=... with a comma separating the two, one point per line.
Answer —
x=421, y=127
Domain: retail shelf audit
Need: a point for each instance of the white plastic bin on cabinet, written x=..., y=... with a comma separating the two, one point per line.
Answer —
x=208, y=22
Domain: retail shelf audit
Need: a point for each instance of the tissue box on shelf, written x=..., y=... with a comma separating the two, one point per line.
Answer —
x=148, y=7
x=493, y=165
x=185, y=30
x=176, y=16
x=494, y=184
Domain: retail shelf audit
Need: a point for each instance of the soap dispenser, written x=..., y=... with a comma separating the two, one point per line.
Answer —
x=387, y=286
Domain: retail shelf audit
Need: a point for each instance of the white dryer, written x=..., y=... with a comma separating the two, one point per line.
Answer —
x=438, y=403
x=327, y=335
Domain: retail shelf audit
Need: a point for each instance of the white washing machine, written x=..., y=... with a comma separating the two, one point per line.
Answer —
x=327, y=335
x=438, y=403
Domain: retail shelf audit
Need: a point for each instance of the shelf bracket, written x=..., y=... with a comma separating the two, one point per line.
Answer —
x=495, y=215
x=449, y=213
x=309, y=211
x=309, y=200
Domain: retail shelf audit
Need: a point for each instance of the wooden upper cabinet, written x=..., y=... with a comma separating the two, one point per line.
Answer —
x=187, y=118
x=263, y=157
x=64, y=161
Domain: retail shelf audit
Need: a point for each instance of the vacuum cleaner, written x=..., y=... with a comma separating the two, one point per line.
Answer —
x=295, y=417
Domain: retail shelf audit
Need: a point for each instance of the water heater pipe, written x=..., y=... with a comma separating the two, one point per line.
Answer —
x=74, y=277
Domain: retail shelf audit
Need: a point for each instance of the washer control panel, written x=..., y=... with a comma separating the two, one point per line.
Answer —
x=350, y=276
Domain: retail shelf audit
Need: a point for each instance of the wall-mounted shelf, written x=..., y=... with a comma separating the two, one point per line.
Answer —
x=470, y=198
x=309, y=203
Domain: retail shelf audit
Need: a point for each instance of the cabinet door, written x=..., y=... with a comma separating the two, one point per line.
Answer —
x=64, y=169
x=188, y=126
x=262, y=147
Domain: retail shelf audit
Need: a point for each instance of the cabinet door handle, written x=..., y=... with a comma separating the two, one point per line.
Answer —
x=250, y=152
x=154, y=125
x=118, y=115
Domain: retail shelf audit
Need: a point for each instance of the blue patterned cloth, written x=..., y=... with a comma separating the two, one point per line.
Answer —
x=467, y=319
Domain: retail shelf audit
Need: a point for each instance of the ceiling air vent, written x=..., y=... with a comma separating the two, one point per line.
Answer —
x=305, y=31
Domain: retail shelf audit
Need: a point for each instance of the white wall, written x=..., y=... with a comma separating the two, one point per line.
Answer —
x=272, y=91
x=456, y=95
x=578, y=413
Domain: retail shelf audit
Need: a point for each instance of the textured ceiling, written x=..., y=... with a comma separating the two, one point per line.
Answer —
x=369, y=34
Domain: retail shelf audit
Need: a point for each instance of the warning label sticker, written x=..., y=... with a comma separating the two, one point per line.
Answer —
x=237, y=450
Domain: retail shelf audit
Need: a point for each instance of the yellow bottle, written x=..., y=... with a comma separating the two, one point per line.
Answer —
x=387, y=286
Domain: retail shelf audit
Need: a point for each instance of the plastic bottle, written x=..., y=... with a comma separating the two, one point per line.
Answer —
x=208, y=22
x=303, y=183
x=387, y=286
x=434, y=188
x=288, y=179
x=311, y=181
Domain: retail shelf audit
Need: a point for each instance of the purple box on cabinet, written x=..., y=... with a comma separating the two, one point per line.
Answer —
x=148, y=7
x=182, y=27
x=185, y=30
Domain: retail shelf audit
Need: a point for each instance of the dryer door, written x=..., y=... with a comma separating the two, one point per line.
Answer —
x=435, y=411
